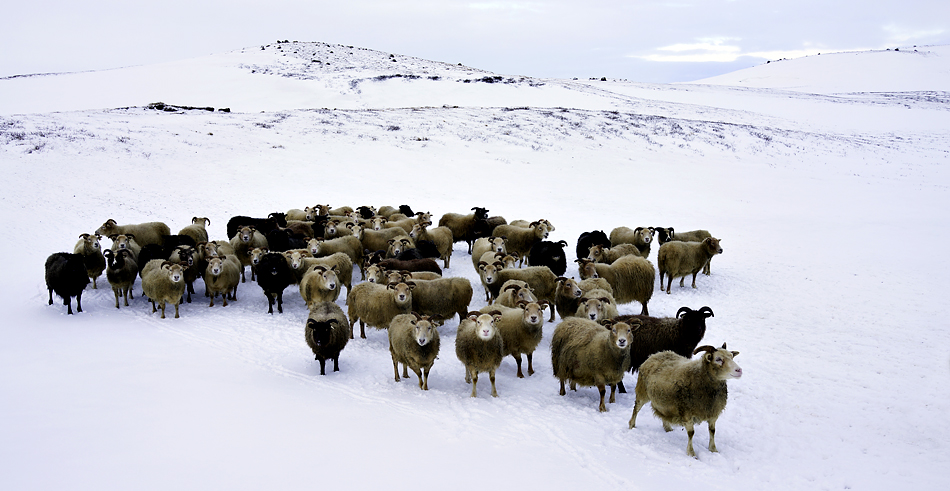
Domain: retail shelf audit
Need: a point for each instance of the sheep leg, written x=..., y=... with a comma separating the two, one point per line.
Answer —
x=362, y=329
x=323, y=366
x=491, y=376
x=116, y=292
x=552, y=316
x=405, y=370
x=689, y=443
x=51, y=296
x=425, y=381
x=669, y=282
x=661, y=280
x=270, y=303
x=636, y=409
x=418, y=373
x=530, y=364
x=336, y=364
x=153, y=305
x=621, y=388
x=212, y=299
x=468, y=376
x=682, y=280
x=712, y=435
x=474, y=374
x=162, y=305
x=395, y=367
x=242, y=274
x=694, y=278
x=79, y=302
x=94, y=287
x=613, y=390
x=224, y=298
x=706, y=267
x=69, y=305
x=125, y=295
x=517, y=357
x=176, y=307
x=644, y=310
x=562, y=392
x=603, y=391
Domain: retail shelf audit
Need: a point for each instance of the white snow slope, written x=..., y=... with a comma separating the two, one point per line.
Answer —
x=831, y=209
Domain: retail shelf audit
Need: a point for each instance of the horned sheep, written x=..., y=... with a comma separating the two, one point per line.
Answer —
x=540, y=278
x=246, y=239
x=641, y=237
x=665, y=235
x=597, y=305
x=583, y=352
x=680, y=334
x=90, y=250
x=222, y=275
x=163, y=282
x=480, y=347
x=327, y=333
x=414, y=342
x=685, y=392
x=463, y=226
x=607, y=255
x=520, y=239
x=679, y=259
x=197, y=230
x=319, y=284
x=376, y=305
x=145, y=233
x=568, y=293
x=121, y=272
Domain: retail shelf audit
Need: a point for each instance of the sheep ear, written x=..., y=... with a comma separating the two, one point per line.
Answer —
x=735, y=354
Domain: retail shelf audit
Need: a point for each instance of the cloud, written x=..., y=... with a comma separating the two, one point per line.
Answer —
x=720, y=50
x=901, y=34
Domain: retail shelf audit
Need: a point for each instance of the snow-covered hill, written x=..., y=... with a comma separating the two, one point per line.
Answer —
x=829, y=207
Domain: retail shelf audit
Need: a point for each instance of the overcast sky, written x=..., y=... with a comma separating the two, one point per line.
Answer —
x=640, y=40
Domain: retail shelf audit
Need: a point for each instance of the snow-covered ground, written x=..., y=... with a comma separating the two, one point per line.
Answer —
x=831, y=206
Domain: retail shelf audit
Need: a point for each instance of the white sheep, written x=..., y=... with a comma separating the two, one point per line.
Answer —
x=246, y=239
x=376, y=305
x=679, y=259
x=630, y=277
x=197, y=230
x=319, y=284
x=479, y=347
x=584, y=352
x=223, y=275
x=145, y=233
x=90, y=250
x=163, y=282
x=685, y=392
x=521, y=328
x=414, y=342
x=597, y=305
x=641, y=237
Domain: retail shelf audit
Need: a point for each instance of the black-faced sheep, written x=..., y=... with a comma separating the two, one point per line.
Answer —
x=280, y=240
x=583, y=352
x=630, y=277
x=197, y=230
x=163, y=282
x=414, y=342
x=480, y=347
x=550, y=254
x=327, y=333
x=273, y=276
x=679, y=259
x=685, y=392
x=66, y=275
x=194, y=260
x=463, y=226
x=680, y=334
x=145, y=233
x=90, y=250
x=121, y=272
x=376, y=305
x=442, y=298
x=589, y=239
x=441, y=236
x=521, y=328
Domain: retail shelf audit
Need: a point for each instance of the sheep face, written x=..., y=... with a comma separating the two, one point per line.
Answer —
x=216, y=265
x=245, y=233
x=533, y=313
x=122, y=241
x=108, y=228
x=423, y=331
x=621, y=334
x=330, y=279
x=593, y=309
x=644, y=234
x=176, y=273
x=712, y=245
x=91, y=242
x=597, y=253
x=294, y=259
x=498, y=244
x=489, y=272
x=374, y=274
x=586, y=269
x=402, y=293
x=720, y=362
x=485, y=325
x=397, y=246
x=567, y=287
x=256, y=254
x=377, y=223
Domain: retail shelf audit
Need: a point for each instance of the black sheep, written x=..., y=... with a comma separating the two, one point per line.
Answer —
x=680, y=334
x=550, y=254
x=273, y=276
x=66, y=275
x=263, y=225
x=589, y=239
x=280, y=240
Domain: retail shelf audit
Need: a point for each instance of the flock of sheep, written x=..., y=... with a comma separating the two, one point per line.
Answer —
x=403, y=291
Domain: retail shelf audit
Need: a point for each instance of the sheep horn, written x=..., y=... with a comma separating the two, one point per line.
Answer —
x=707, y=348
x=707, y=309
x=683, y=310
x=512, y=287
